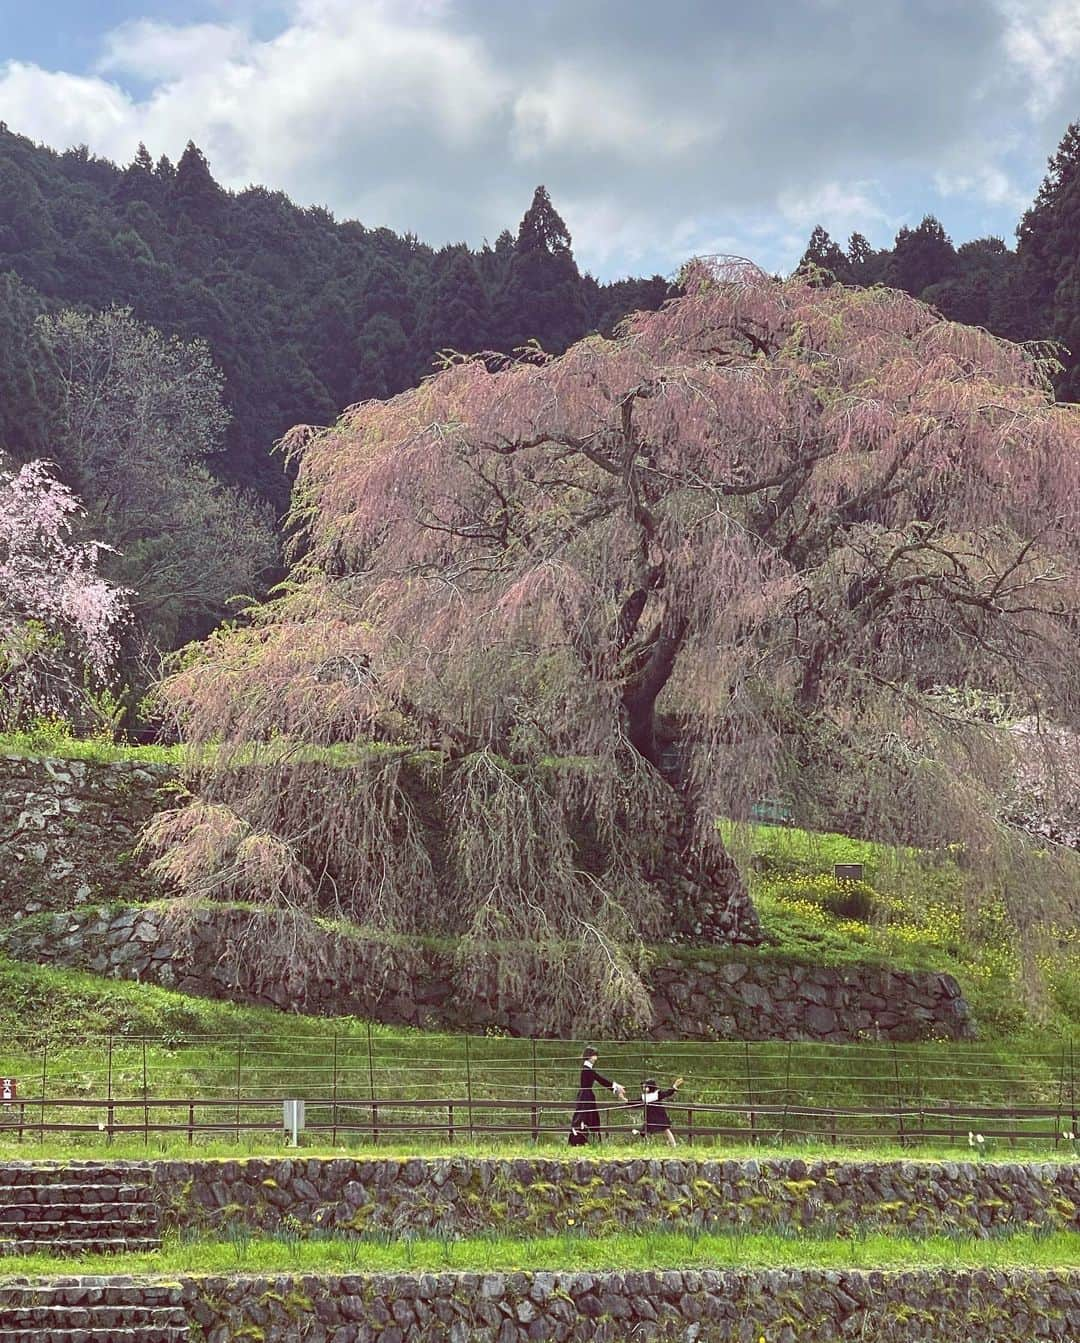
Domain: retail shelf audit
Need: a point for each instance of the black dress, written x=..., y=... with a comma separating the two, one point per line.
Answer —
x=586, y=1115
x=656, y=1117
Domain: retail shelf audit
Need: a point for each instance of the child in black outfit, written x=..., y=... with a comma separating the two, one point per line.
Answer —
x=656, y=1117
x=586, y=1118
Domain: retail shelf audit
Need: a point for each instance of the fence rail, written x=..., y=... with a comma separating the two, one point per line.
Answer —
x=457, y=1118
x=376, y=1086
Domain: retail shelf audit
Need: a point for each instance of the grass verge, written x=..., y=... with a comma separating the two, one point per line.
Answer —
x=574, y=1249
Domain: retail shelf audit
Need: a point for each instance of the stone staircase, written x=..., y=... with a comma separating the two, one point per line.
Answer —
x=90, y=1310
x=77, y=1209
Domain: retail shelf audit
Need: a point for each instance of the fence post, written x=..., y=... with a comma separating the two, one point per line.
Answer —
x=1074, y=1126
x=450, y=1121
x=690, y=1125
x=787, y=1095
x=1061, y=1098
x=44, y=1070
x=750, y=1091
x=145, y=1095
x=191, y=1123
x=333, y=1098
x=239, y=1053
x=109, y=1110
x=371, y=1088
x=901, y=1137
x=535, y=1114
x=468, y=1086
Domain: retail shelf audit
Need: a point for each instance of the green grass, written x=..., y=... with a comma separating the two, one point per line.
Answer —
x=93, y=1035
x=572, y=1250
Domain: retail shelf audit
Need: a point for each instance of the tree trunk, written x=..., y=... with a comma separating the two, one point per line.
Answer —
x=707, y=898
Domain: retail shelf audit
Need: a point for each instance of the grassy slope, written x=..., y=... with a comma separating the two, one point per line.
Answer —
x=195, y=1046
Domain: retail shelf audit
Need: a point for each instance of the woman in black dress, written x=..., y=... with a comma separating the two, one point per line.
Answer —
x=586, y=1120
x=656, y=1116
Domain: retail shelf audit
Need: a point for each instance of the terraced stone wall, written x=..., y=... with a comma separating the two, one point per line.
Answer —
x=68, y=829
x=740, y=995
x=67, y=835
x=463, y=1196
x=691, y=1306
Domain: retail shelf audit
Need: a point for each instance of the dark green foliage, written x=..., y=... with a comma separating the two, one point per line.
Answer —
x=303, y=314
x=30, y=393
x=1049, y=254
x=921, y=257
x=542, y=298
x=822, y=253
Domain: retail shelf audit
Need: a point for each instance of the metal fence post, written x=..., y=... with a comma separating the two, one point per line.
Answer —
x=750, y=1091
x=44, y=1071
x=239, y=1054
x=468, y=1086
x=333, y=1098
x=900, y=1134
x=109, y=1110
x=535, y=1112
x=145, y=1096
x=371, y=1088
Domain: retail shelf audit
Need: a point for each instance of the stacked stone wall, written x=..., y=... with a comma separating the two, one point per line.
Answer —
x=68, y=831
x=739, y=994
x=466, y=1196
x=671, y=1306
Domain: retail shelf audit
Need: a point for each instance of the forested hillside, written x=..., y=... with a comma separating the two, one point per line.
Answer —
x=159, y=333
x=304, y=315
x=1030, y=293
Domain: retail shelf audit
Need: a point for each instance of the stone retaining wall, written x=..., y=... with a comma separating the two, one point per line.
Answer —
x=691, y=1306
x=464, y=1196
x=68, y=828
x=737, y=994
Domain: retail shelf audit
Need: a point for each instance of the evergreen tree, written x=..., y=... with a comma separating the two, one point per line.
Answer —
x=30, y=393
x=193, y=190
x=1049, y=254
x=822, y=253
x=921, y=257
x=138, y=182
x=459, y=315
x=543, y=298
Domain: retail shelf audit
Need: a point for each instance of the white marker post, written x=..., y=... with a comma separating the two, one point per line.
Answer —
x=293, y=1120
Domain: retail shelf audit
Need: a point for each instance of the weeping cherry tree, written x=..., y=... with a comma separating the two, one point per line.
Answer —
x=762, y=543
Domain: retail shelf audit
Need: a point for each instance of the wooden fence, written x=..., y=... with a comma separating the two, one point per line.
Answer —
x=372, y=1086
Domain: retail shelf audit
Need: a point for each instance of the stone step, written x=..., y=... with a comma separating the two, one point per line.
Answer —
x=101, y=1317
x=93, y=1333
x=93, y=1290
x=16, y=1213
x=42, y=1229
x=85, y=1172
x=69, y=1192
x=82, y=1245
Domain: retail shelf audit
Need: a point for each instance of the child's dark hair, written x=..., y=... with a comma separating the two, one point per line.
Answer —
x=589, y=1052
x=650, y=1084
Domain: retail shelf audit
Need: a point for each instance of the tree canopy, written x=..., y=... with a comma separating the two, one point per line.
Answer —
x=304, y=314
x=58, y=616
x=753, y=545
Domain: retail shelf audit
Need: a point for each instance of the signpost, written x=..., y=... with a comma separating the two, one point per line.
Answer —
x=9, y=1089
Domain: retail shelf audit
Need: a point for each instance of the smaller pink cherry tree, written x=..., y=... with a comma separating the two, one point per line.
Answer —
x=58, y=616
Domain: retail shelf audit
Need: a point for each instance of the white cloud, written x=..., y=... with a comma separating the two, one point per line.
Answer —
x=1043, y=42
x=165, y=51
x=571, y=109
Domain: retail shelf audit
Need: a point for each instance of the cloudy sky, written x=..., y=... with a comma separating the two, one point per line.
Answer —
x=661, y=129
